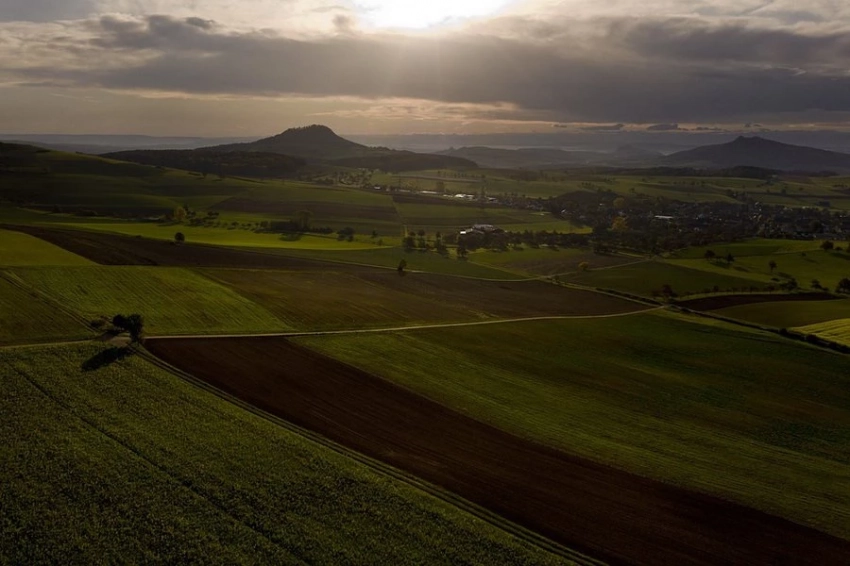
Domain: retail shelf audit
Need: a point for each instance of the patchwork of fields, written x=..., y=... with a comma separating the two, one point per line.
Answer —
x=610, y=514
x=628, y=432
x=128, y=463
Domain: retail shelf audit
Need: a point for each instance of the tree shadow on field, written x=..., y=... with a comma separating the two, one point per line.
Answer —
x=105, y=358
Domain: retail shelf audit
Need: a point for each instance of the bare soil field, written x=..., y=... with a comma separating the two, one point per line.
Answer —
x=725, y=301
x=116, y=249
x=606, y=513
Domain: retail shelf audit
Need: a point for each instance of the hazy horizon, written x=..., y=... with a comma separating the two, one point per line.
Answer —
x=381, y=67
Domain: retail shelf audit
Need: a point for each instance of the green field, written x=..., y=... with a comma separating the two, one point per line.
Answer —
x=223, y=236
x=26, y=317
x=835, y=330
x=648, y=277
x=545, y=261
x=803, y=264
x=129, y=464
x=743, y=415
x=17, y=249
x=172, y=300
x=416, y=261
x=788, y=314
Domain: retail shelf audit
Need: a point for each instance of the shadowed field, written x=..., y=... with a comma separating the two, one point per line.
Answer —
x=607, y=513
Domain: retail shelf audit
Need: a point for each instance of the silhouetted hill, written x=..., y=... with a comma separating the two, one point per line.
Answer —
x=319, y=144
x=762, y=153
x=239, y=163
x=544, y=158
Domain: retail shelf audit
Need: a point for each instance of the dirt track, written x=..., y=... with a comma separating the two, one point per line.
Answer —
x=603, y=512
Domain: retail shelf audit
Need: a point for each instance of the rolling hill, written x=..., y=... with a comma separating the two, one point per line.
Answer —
x=760, y=152
x=243, y=163
x=547, y=157
x=319, y=144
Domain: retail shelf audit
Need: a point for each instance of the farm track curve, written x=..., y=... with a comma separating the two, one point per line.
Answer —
x=600, y=511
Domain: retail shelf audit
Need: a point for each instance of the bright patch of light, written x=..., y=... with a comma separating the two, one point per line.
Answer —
x=425, y=13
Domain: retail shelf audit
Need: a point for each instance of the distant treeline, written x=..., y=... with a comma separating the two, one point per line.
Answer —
x=740, y=172
x=397, y=161
x=209, y=162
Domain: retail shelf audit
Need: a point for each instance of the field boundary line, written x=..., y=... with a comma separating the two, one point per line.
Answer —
x=526, y=535
x=299, y=334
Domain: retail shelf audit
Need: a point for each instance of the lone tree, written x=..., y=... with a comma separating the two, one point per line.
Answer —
x=402, y=265
x=180, y=214
x=179, y=237
x=843, y=286
x=710, y=255
x=584, y=266
x=772, y=265
x=133, y=324
x=729, y=258
x=827, y=245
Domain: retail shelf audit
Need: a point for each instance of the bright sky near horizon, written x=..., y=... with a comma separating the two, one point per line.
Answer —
x=255, y=67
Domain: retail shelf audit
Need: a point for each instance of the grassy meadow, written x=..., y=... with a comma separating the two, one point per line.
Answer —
x=17, y=249
x=788, y=314
x=172, y=300
x=27, y=317
x=743, y=415
x=127, y=463
x=648, y=277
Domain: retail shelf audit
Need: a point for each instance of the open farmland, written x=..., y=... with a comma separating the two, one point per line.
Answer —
x=336, y=207
x=225, y=236
x=128, y=463
x=389, y=258
x=334, y=300
x=836, y=330
x=546, y=261
x=828, y=268
x=172, y=300
x=115, y=249
x=648, y=277
x=26, y=316
x=599, y=510
x=777, y=310
x=17, y=249
x=702, y=406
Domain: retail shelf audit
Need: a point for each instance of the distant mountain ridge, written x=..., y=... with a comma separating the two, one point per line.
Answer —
x=319, y=144
x=547, y=157
x=760, y=152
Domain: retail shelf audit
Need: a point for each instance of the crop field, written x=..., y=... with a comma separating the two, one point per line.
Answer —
x=836, y=330
x=118, y=249
x=172, y=300
x=805, y=266
x=786, y=313
x=755, y=247
x=451, y=215
x=648, y=277
x=390, y=257
x=26, y=317
x=127, y=463
x=606, y=513
x=17, y=249
x=223, y=236
x=79, y=182
x=336, y=300
x=700, y=406
x=545, y=261
x=336, y=207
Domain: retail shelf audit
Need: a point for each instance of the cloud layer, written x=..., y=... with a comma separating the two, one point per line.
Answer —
x=667, y=62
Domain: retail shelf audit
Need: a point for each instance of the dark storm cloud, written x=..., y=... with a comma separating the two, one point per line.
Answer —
x=630, y=71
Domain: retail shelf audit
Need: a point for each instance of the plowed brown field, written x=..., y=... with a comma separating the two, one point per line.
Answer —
x=606, y=513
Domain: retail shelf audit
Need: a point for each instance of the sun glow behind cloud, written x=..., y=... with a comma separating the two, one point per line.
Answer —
x=419, y=14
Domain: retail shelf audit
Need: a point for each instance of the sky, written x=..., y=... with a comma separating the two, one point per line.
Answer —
x=257, y=67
